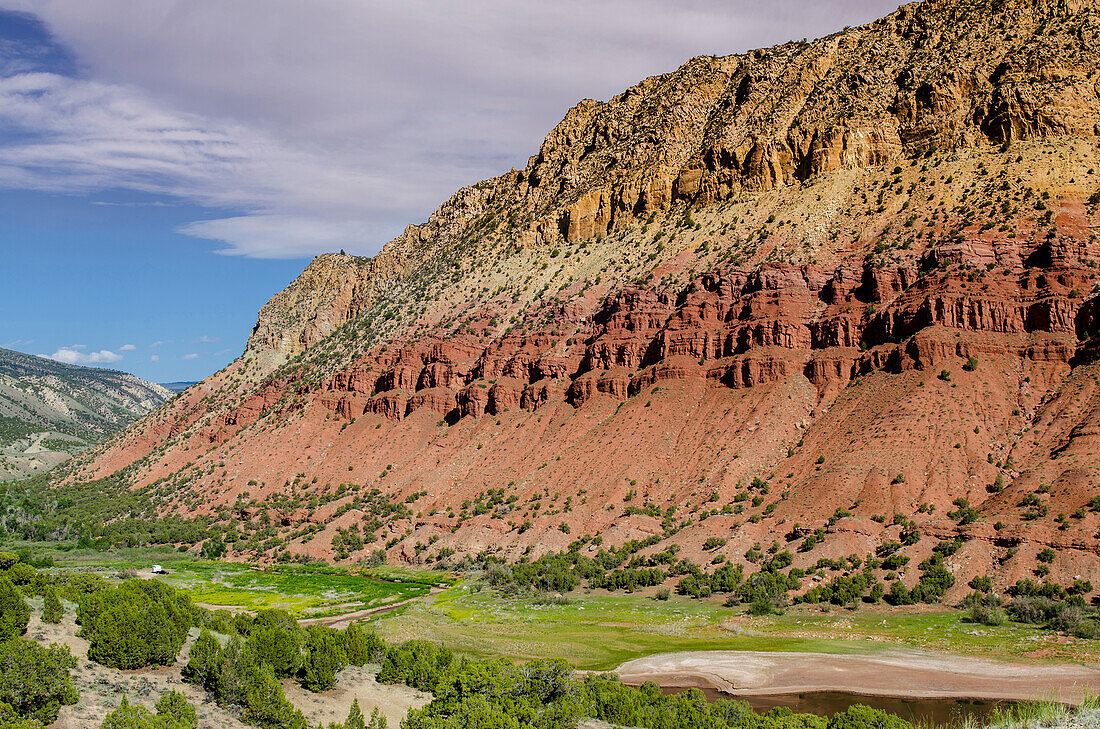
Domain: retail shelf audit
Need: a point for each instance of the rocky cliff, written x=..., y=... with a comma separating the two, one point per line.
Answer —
x=829, y=285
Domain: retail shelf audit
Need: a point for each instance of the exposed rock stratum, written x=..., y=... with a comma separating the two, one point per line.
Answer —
x=852, y=278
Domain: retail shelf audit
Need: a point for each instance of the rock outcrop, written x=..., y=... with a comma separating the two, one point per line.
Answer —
x=855, y=276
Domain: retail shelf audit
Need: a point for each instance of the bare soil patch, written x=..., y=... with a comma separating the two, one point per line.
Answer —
x=101, y=688
x=903, y=673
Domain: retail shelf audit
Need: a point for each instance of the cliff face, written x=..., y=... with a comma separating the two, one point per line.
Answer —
x=817, y=285
x=937, y=75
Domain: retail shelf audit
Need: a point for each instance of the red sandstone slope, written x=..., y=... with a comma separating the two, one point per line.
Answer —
x=860, y=270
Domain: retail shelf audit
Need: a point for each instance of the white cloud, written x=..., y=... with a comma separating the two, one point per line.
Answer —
x=206, y=339
x=72, y=135
x=154, y=358
x=127, y=348
x=156, y=344
x=191, y=356
x=75, y=354
x=272, y=236
x=308, y=127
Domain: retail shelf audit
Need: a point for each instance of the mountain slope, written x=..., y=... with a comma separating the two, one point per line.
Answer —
x=50, y=410
x=821, y=294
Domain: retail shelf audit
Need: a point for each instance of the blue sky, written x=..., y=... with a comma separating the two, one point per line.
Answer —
x=79, y=271
x=102, y=277
x=167, y=166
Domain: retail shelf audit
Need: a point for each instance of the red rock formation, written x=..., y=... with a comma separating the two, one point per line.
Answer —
x=861, y=270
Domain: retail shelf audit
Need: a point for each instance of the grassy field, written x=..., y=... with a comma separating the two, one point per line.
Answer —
x=933, y=627
x=303, y=590
x=594, y=631
x=600, y=631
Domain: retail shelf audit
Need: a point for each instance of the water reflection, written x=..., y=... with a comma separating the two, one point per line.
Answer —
x=826, y=703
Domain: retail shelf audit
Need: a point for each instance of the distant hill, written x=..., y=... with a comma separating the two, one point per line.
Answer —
x=177, y=386
x=50, y=410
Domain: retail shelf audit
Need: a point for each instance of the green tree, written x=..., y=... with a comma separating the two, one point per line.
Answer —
x=323, y=659
x=173, y=712
x=139, y=623
x=266, y=705
x=52, y=611
x=234, y=673
x=128, y=716
x=10, y=720
x=35, y=680
x=355, y=718
x=203, y=659
x=173, y=705
x=360, y=647
x=277, y=647
x=14, y=611
x=417, y=663
x=377, y=720
x=864, y=717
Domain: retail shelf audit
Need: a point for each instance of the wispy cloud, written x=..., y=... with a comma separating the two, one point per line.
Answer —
x=75, y=354
x=272, y=235
x=205, y=339
x=307, y=127
x=127, y=348
x=191, y=356
x=73, y=135
x=156, y=344
x=154, y=358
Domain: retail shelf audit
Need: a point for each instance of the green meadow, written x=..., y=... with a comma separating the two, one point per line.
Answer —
x=598, y=631
x=310, y=590
x=593, y=630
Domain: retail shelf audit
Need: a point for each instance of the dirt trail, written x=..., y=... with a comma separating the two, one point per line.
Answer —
x=345, y=619
x=903, y=673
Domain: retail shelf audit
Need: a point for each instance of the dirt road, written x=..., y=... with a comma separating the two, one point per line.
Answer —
x=345, y=619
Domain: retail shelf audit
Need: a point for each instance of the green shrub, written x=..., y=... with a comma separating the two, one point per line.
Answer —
x=981, y=583
x=275, y=640
x=417, y=663
x=173, y=712
x=52, y=611
x=35, y=680
x=864, y=717
x=139, y=623
x=986, y=614
x=324, y=658
x=265, y=704
x=15, y=613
